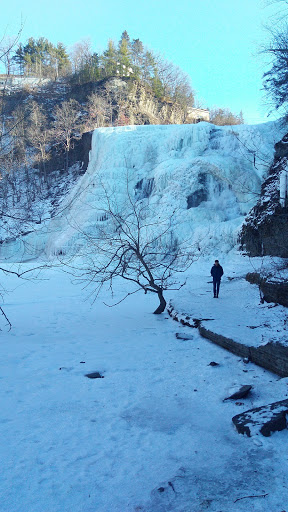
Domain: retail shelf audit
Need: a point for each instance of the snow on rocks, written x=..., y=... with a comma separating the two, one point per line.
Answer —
x=242, y=392
x=266, y=419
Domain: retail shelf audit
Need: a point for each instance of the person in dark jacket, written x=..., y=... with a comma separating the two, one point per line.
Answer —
x=216, y=273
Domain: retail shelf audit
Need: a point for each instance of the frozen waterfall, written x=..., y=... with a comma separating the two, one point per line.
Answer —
x=209, y=176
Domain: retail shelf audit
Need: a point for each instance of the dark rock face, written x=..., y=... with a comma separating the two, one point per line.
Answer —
x=144, y=188
x=281, y=147
x=80, y=151
x=209, y=187
x=265, y=231
x=267, y=419
x=272, y=290
x=193, y=200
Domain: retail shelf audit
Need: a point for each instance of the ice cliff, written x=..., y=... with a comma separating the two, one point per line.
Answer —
x=209, y=176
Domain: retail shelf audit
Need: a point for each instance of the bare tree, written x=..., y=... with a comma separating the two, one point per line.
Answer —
x=38, y=133
x=275, y=78
x=81, y=54
x=98, y=109
x=15, y=128
x=7, y=49
x=176, y=84
x=132, y=242
x=67, y=122
x=223, y=116
x=7, y=45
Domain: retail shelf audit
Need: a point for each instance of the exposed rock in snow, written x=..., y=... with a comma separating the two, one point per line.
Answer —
x=240, y=393
x=94, y=375
x=273, y=289
x=184, y=337
x=267, y=419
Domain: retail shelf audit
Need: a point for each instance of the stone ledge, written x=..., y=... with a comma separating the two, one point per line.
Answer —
x=272, y=356
x=233, y=346
x=273, y=291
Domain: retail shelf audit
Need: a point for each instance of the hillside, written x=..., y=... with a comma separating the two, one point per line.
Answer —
x=46, y=137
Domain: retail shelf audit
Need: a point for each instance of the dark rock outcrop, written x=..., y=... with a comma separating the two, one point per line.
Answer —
x=241, y=393
x=94, y=375
x=81, y=149
x=267, y=419
x=193, y=200
x=273, y=290
x=265, y=231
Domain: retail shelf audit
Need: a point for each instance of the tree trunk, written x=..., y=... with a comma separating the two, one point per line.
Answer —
x=162, y=304
x=67, y=160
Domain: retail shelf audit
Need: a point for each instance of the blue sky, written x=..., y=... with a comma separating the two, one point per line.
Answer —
x=216, y=43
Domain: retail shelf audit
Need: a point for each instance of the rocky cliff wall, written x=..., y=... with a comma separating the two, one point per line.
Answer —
x=137, y=102
x=265, y=230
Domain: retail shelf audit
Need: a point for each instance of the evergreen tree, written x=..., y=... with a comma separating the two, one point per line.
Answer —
x=137, y=55
x=63, y=64
x=109, y=60
x=19, y=59
x=41, y=58
x=89, y=72
x=149, y=67
x=157, y=87
x=124, y=37
x=124, y=59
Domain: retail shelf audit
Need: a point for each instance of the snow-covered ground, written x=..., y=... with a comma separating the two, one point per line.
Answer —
x=238, y=312
x=153, y=435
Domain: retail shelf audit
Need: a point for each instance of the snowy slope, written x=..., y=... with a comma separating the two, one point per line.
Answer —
x=210, y=176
